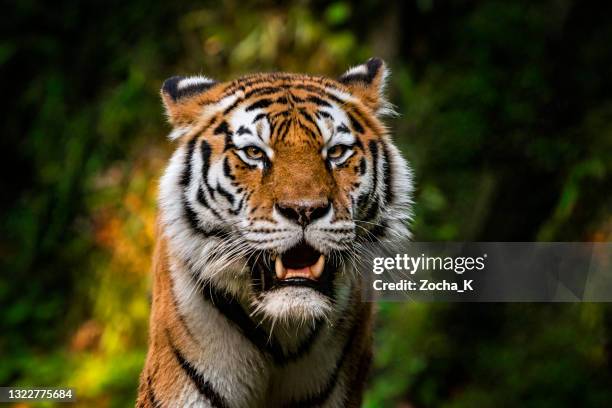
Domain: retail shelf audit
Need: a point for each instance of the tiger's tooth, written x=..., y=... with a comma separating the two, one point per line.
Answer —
x=317, y=268
x=279, y=268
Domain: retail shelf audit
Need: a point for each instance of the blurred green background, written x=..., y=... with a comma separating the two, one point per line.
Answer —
x=506, y=116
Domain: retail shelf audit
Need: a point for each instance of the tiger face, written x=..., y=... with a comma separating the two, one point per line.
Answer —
x=278, y=181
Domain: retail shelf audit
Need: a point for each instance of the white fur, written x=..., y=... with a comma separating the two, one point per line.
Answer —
x=288, y=304
x=357, y=70
x=193, y=80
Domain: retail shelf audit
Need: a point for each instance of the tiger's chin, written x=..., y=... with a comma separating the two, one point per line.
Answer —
x=294, y=305
x=295, y=286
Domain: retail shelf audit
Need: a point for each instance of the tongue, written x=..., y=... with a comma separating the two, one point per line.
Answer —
x=313, y=271
x=299, y=273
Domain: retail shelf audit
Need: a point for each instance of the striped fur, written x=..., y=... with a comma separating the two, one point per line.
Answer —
x=225, y=332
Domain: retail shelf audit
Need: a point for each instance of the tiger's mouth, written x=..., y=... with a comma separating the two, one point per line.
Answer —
x=302, y=262
x=301, y=265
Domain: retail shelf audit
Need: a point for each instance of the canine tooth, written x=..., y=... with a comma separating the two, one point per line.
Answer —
x=279, y=268
x=317, y=269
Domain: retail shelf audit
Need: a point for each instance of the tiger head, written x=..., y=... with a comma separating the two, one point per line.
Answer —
x=278, y=182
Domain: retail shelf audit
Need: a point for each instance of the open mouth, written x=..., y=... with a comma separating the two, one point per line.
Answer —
x=301, y=261
x=301, y=265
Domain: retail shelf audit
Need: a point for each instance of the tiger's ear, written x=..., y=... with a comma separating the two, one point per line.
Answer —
x=183, y=98
x=367, y=82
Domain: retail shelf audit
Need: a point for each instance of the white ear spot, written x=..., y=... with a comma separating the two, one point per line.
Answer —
x=358, y=70
x=193, y=81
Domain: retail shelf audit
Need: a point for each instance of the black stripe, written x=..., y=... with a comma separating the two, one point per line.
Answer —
x=227, y=171
x=222, y=129
x=362, y=166
x=342, y=128
x=318, y=101
x=355, y=123
x=151, y=394
x=233, y=311
x=296, y=99
x=262, y=103
x=264, y=90
x=373, y=197
x=185, y=181
x=313, y=84
x=201, y=196
x=281, y=100
x=206, y=152
x=387, y=176
x=194, y=222
x=188, y=212
x=259, y=116
x=325, y=114
x=249, y=81
x=363, y=117
x=186, y=175
x=226, y=194
x=367, y=199
x=358, y=143
x=232, y=106
x=204, y=387
x=243, y=131
x=192, y=219
x=306, y=129
x=240, y=204
x=355, y=78
x=320, y=92
x=273, y=125
x=308, y=117
x=283, y=129
x=283, y=113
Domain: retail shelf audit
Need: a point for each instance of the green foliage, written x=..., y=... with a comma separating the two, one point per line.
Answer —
x=513, y=356
x=506, y=112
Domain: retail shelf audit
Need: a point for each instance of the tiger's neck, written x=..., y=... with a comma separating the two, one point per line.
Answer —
x=206, y=347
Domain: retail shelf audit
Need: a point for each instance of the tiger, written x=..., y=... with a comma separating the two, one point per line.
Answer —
x=277, y=183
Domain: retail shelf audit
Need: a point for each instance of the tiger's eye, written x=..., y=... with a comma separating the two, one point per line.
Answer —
x=336, y=152
x=254, y=153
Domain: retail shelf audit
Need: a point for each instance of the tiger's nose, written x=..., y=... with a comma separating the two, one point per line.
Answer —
x=303, y=213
